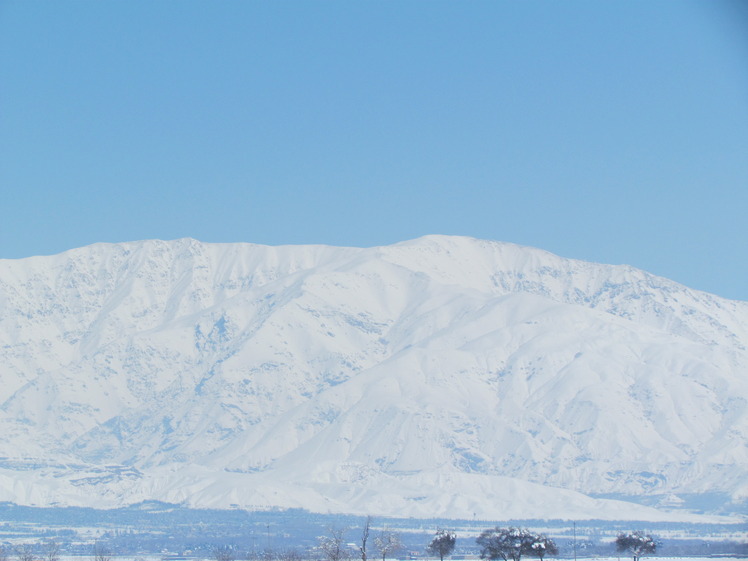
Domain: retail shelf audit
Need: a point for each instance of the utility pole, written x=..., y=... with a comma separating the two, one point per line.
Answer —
x=575, y=540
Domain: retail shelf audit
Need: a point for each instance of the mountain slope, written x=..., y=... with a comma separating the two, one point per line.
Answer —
x=444, y=375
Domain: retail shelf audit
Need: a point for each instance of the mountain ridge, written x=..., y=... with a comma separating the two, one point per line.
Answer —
x=441, y=369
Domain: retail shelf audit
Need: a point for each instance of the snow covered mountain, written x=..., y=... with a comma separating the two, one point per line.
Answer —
x=443, y=376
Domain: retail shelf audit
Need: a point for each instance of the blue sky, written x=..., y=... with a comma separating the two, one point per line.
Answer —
x=614, y=131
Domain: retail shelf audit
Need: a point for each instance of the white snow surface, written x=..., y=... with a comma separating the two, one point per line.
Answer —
x=444, y=376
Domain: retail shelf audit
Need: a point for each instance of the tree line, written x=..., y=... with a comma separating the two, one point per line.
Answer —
x=495, y=544
x=510, y=544
x=48, y=550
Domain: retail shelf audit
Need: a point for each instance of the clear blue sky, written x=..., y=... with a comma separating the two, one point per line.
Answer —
x=612, y=131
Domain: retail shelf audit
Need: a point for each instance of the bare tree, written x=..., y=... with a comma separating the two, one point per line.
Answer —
x=25, y=552
x=223, y=553
x=637, y=543
x=3, y=554
x=506, y=543
x=101, y=552
x=51, y=550
x=542, y=545
x=387, y=543
x=332, y=546
x=364, y=538
x=510, y=544
x=443, y=544
x=290, y=554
